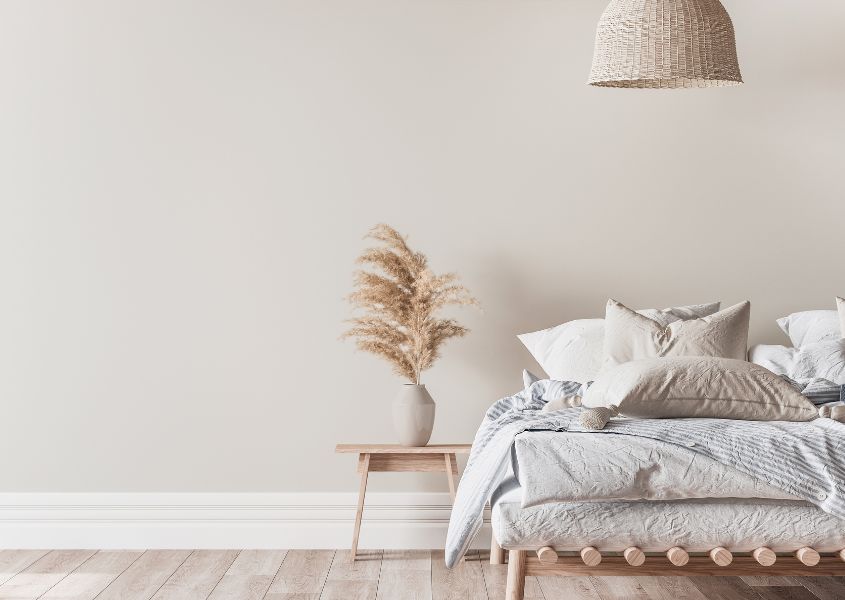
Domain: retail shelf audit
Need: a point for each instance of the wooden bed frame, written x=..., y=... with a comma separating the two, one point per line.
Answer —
x=631, y=562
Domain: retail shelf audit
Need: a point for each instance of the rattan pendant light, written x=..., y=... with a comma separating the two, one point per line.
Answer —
x=665, y=44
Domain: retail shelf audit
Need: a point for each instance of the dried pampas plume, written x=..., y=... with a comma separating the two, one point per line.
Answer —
x=400, y=298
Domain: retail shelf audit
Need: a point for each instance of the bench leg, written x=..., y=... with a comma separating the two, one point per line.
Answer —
x=516, y=575
x=450, y=474
x=362, y=491
x=497, y=553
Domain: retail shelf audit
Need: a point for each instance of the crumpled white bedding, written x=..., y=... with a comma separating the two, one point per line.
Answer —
x=741, y=525
x=556, y=466
x=572, y=490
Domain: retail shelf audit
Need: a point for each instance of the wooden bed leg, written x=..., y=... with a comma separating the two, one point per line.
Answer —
x=497, y=553
x=516, y=575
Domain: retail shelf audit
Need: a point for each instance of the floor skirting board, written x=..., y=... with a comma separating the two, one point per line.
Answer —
x=226, y=520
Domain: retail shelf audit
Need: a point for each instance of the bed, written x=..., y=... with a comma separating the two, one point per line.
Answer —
x=652, y=496
x=657, y=448
x=653, y=504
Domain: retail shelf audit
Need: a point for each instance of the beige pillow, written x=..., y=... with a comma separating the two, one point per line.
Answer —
x=695, y=386
x=631, y=336
x=840, y=304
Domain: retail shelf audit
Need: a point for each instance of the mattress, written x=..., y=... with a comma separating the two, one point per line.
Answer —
x=697, y=525
x=555, y=466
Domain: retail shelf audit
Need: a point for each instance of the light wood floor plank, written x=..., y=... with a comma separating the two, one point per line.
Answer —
x=670, y=588
x=406, y=560
x=566, y=588
x=358, y=580
x=43, y=574
x=617, y=588
x=197, y=576
x=825, y=588
x=495, y=580
x=250, y=575
x=329, y=575
x=13, y=562
x=725, y=588
x=405, y=575
x=464, y=582
x=790, y=592
x=757, y=581
x=93, y=576
x=145, y=576
x=302, y=575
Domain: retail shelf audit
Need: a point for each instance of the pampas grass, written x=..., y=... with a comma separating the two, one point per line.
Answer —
x=399, y=298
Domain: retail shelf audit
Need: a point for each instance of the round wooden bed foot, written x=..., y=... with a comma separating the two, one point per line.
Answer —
x=590, y=556
x=765, y=556
x=634, y=556
x=721, y=556
x=808, y=556
x=547, y=555
x=677, y=556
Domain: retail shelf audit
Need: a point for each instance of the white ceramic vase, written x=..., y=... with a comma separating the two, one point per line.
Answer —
x=413, y=415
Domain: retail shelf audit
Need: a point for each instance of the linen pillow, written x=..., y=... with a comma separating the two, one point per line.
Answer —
x=631, y=336
x=822, y=360
x=572, y=351
x=696, y=386
x=812, y=326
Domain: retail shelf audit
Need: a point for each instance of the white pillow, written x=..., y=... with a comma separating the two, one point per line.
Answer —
x=812, y=326
x=572, y=351
x=840, y=304
x=528, y=378
x=822, y=360
x=696, y=386
x=632, y=336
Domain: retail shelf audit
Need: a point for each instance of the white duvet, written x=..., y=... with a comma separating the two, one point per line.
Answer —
x=616, y=491
x=555, y=466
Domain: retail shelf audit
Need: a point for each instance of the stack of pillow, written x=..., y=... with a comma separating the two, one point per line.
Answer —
x=573, y=351
x=690, y=361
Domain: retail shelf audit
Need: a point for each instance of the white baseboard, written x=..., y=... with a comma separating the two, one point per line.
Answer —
x=260, y=520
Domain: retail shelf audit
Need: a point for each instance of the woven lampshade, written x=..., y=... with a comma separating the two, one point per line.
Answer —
x=665, y=44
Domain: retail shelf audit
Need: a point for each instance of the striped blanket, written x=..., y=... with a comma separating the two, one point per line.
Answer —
x=805, y=459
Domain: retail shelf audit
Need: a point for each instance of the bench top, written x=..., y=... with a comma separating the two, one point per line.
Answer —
x=397, y=449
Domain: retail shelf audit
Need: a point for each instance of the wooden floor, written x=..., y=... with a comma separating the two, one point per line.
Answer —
x=328, y=575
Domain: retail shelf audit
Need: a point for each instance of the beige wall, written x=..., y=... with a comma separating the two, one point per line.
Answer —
x=184, y=186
